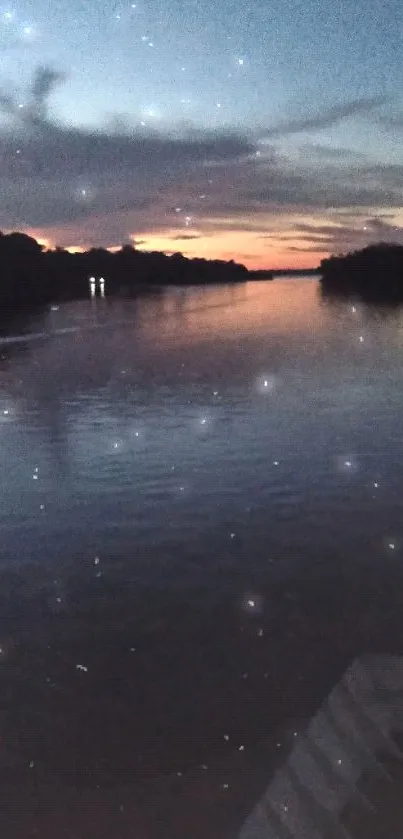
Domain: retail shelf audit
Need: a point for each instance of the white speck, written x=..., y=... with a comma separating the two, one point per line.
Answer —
x=339, y=762
x=244, y=675
x=181, y=489
x=276, y=462
x=96, y=560
x=132, y=649
x=203, y=421
x=391, y=545
x=226, y=737
x=353, y=309
x=260, y=633
x=240, y=61
x=99, y=574
x=225, y=786
x=137, y=434
x=35, y=477
x=31, y=764
x=150, y=44
x=348, y=463
x=204, y=766
x=295, y=734
x=215, y=392
x=179, y=774
x=251, y=603
x=233, y=535
x=218, y=104
x=58, y=599
x=361, y=339
x=116, y=445
x=6, y=412
x=376, y=485
x=241, y=749
x=285, y=808
x=278, y=745
x=82, y=667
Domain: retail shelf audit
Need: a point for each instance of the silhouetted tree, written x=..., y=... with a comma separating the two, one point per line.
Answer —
x=373, y=273
x=31, y=275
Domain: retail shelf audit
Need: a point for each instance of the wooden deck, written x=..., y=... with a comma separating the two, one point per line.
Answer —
x=343, y=779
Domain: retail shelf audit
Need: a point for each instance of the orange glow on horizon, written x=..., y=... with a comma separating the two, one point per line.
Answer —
x=248, y=247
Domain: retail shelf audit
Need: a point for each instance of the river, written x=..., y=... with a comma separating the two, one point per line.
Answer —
x=200, y=526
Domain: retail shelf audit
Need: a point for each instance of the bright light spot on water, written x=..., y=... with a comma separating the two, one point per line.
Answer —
x=265, y=383
x=252, y=603
x=346, y=464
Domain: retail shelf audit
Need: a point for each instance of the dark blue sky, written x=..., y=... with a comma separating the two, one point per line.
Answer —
x=279, y=114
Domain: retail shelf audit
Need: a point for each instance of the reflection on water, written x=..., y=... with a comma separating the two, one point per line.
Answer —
x=200, y=489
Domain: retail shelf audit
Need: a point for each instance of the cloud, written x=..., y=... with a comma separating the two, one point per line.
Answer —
x=44, y=81
x=393, y=123
x=101, y=186
x=320, y=152
x=336, y=237
x=327, y=118
x=186, y=237
x=60, y=174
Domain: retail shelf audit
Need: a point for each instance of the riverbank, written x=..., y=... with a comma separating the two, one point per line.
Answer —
x=374, y=274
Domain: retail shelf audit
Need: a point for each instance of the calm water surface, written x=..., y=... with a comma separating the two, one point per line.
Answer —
x=200, y=525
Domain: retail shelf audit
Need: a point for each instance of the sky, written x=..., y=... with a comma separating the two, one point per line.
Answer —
x=268, y=132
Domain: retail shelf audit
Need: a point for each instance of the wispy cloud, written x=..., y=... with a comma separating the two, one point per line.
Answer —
x=328, y=117
x=328, y=153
